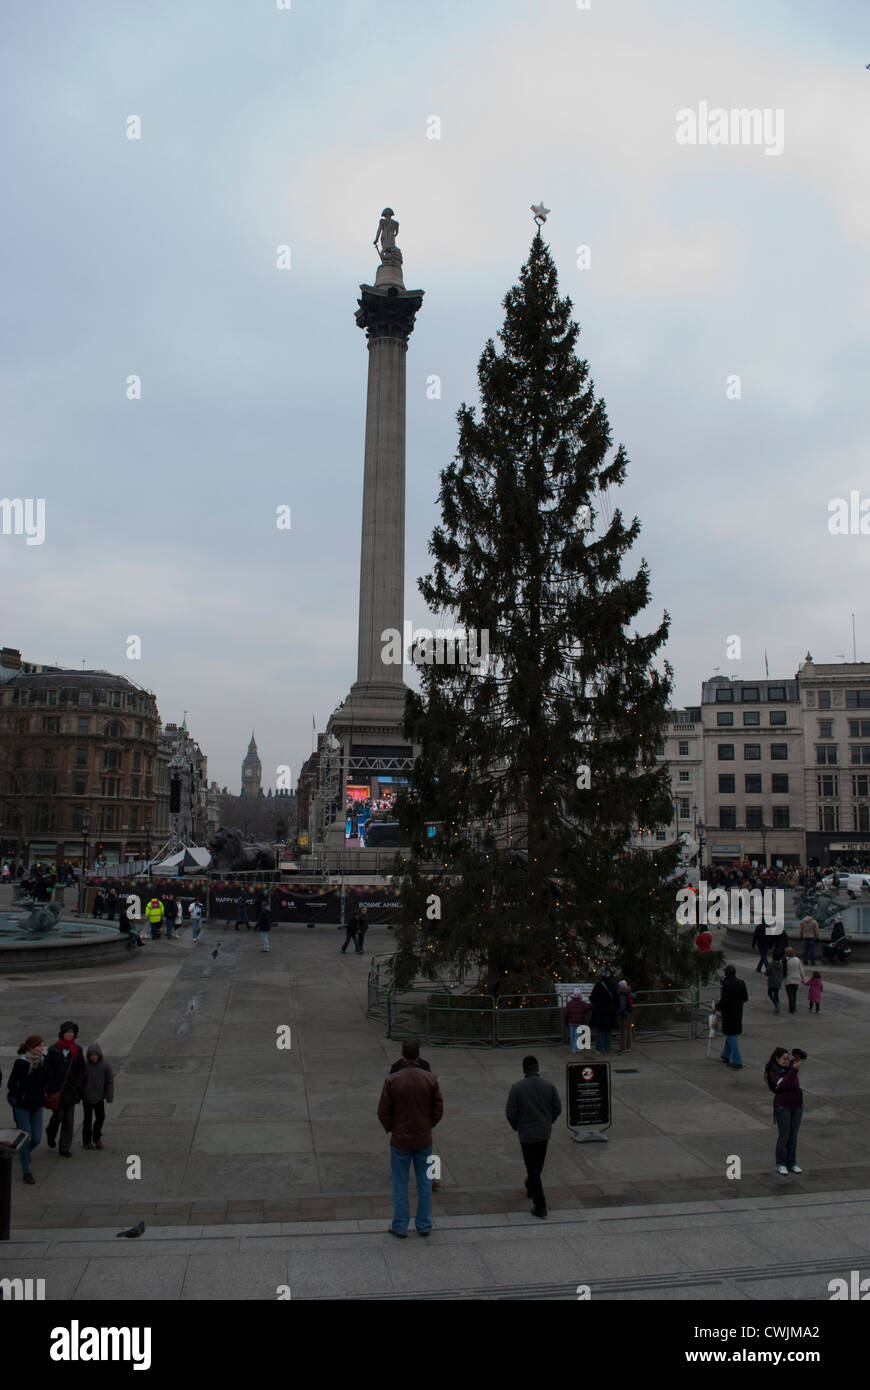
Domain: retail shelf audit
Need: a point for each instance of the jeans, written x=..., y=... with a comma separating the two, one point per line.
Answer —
x=264, y=937
x=809, y=950
x=95, y=1111
x=534, y=1155
x=31, y=1121
x=731, y=1050
x=762, y=964
x=400, y=1164
x=625, y=1024
x=773, y=996
x=63, y=1119
x=351, y=937
x=196, y=923
x=791, y=991
x=788, y=1122
x=602, y=1039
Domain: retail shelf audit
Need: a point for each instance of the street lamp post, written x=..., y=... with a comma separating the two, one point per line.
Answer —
x=86, y=826
x=148, y=841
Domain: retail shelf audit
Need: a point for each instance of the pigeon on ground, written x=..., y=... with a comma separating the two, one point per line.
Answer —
x=133, y=1231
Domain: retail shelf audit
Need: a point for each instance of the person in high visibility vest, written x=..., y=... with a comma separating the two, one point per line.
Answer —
x=154, y=913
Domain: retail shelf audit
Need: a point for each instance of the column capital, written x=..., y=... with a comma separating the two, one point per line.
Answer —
x=389, y=312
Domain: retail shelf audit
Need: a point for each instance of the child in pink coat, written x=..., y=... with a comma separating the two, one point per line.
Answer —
x=815, y=987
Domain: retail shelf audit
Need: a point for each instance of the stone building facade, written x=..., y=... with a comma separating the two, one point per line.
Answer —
x=76, y=747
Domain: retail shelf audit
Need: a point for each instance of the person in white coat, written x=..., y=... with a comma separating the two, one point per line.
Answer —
x=793, y=978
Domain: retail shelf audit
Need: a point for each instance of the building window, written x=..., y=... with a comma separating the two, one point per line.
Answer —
x=824, y=699
x=727, y=818
x=776, y=692
x=750, y=692
x=134, y=787
x=861, y=818
x=727, y=782
x=725, y=752
x=780, y=818
x=116, y=699
x=111, y=786
x=724, y=694
x=660, y=750
x=78, y=812
x=84, y=726
x=113, y=731
x=827, y=753
x=779, y=752
x=754, y=817
x=684, y=808
x=752, y=783
x=724, y=718
x=826, y=727
x=50, y=726
x=751, y=717
x=685, y=775
x=661, y=835
x=81, y=757
x=779, y=783
x=860, y=753
x=779, y=716
x=137, y=762
x=828, y=784
x=52, y=697
x=860, y=784
x=752, y=752
x=829, y=818
x=858, y=728
x=85, y=697
x=858, y=699
x=111, y=758
x=111, y=818
x=78, y=786
x=48, y=757
x=683, y=748
x=138, y=728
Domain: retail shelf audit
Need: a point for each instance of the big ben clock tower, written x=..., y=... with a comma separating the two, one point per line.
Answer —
x=252, y=770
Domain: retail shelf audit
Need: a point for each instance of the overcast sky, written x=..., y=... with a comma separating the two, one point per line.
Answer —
x=263, y=127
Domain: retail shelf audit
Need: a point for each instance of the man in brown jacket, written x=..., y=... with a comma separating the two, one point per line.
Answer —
x=409, y=1109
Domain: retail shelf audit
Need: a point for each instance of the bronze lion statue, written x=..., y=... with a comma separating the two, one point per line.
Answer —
x=229, y=851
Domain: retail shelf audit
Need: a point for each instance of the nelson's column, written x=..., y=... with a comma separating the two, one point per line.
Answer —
x=365, y=752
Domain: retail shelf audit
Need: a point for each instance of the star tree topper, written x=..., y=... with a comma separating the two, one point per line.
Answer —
x=541, y=213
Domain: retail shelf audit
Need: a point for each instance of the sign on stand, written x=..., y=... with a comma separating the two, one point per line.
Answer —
x=588, y=1087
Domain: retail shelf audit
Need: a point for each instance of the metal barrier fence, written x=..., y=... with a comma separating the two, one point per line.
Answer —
x=473, y=1020
x=444, y=1016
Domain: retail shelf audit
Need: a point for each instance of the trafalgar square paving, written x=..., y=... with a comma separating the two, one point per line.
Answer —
x=264, y=1168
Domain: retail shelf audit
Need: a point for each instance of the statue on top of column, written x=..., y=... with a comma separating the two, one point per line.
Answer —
x=386, y=234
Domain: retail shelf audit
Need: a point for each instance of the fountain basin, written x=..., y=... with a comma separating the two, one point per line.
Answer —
x=68, y=946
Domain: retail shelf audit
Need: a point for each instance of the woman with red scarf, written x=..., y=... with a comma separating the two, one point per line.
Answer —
x=65, y=1076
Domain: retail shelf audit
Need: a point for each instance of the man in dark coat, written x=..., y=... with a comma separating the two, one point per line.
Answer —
x=759, y=942
x=410, y=1107
x=64, y=1072
x=731, y=1000
x=605, y=1003
x=532, y=1107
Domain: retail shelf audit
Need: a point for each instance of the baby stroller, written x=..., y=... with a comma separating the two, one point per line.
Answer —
x=837, y=952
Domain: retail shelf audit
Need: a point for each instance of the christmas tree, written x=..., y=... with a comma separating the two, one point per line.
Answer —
x=538, y=762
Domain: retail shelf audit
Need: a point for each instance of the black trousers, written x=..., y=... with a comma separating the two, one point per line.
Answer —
x=95, y=1113
x=791, y=991
x=64, y=1120
x=535, y=1156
